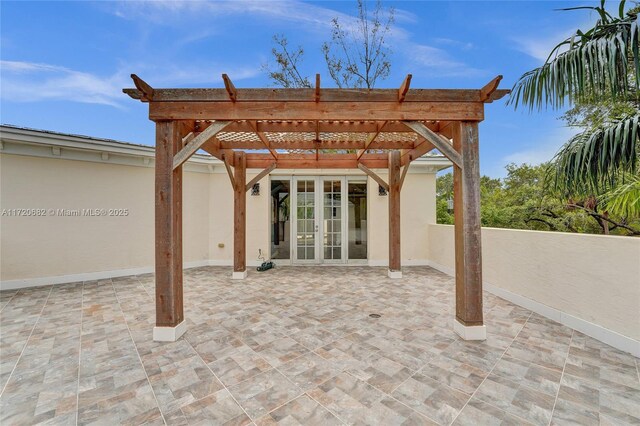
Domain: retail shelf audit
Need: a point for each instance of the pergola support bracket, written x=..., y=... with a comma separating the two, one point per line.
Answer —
x=196, y=143
x=374, y=176
x=443, y=145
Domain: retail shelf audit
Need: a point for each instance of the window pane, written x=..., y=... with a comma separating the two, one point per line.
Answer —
x=337, y=253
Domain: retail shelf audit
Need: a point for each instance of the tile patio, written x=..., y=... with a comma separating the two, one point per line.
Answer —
x=296, y=345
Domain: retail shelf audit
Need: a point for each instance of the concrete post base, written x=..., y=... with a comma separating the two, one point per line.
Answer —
x=169, y=334
x=239, y=275
x=475, y=332
x=394, y=274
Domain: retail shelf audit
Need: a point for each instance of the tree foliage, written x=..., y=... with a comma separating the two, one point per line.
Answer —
x=599, y=74
x=286, y=72
x=524, y=200
x=356, y=56
x=597, y=63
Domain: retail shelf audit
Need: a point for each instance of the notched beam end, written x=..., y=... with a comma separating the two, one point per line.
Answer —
x=317, y=95
x=490, y=88
x=404, y=88
x=142, y=86
x=498, y=94
x=231, y=89
x=133, y=94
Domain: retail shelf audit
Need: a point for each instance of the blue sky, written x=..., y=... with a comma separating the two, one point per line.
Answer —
x=64, y=63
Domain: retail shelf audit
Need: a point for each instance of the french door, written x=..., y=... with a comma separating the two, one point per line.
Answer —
x=318, y=225
x=319, y=219
x=305, y=220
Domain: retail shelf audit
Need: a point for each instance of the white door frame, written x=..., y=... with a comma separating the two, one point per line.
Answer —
x=343, y=220
x=319, y=219
x=294, y=220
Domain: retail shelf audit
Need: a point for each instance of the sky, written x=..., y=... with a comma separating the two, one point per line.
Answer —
x=64, y=64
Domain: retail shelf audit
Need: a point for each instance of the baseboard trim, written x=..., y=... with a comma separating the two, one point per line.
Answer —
x=88, y=276
x=605, y=335
x=409, y=262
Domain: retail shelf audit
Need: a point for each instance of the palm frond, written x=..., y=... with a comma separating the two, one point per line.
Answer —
x=598, y=159
x=597, y=64
x=624, y=201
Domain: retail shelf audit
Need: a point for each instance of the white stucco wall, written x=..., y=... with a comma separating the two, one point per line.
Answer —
x=53, y=245
x=51, y=248
x=594, y=278
x=417, y=211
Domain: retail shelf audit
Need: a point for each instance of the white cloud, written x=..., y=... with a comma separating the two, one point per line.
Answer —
x=440, y=61
x=307, y=17
x=32, y=82
x=539, y=46
x=453, y=43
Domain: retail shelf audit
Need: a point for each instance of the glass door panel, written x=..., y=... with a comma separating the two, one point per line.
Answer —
x=306, y=226
x=280, y=219
x=332, y=219
x=357, y=229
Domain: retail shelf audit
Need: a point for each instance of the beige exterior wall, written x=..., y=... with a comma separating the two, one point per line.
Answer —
x=57, y=246
x=417, y=211
x=595, y=278
x=54, y=245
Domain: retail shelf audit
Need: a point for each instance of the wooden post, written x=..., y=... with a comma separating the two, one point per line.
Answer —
x=239, y=215
x=169, y=312
x=468, y=254
x=395, y=270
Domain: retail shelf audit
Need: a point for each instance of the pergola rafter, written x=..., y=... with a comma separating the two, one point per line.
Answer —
x=378, y=129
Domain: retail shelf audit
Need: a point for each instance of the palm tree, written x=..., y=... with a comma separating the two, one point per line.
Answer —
x=598, y=65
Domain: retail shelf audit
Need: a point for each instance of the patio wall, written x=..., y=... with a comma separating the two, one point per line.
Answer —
x=588, y=282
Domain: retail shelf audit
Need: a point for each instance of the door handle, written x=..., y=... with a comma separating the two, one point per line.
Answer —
x=316, y=227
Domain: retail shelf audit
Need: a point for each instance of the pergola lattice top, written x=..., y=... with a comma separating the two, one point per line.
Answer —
x=316, y=128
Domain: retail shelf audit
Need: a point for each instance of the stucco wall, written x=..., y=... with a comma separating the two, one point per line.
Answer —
x=595, y=278
x=56, y=246
x=417, y=211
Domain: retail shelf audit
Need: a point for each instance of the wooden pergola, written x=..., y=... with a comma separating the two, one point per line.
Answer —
x=317, y=129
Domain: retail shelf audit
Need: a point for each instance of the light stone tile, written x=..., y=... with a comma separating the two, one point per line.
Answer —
x=301, y=411
x=312, y=323
x=218, y=408
x=309, y=371
x=431, y=398
x=517, y=399
x=477, y=412
x=263, y=393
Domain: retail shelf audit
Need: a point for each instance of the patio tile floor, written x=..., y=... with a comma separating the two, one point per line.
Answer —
x=296, y=345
